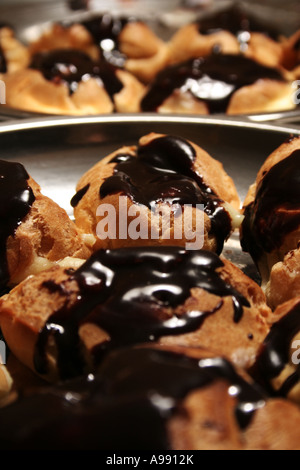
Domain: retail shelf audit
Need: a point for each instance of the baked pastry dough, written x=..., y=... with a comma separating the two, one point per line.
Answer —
x=164, y=177
x=171, y=399
x=60, y=322
x=35, y=231
x=14, y=56
x=69, y=82
x=123, y=42
x=270, y=230
x=219, y=83
x=230, y=31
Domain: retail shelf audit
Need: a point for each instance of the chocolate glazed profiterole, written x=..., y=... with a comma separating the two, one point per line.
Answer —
x=62, y=322
x=160, y=170
x=35, y=232
x=270, y=230
x=231, y=30
x=69, y=81
x=219, y=83
x=122, y=41
x=168, y=399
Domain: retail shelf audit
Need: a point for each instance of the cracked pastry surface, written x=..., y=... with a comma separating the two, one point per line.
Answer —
x=270, y=230
x=162, y=171
x=35, y=231
x=61, y=322
x=68, y=81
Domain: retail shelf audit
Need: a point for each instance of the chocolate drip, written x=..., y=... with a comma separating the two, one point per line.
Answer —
x=275, y=210
x=105, y=30
x=163, y=172
x=238, y=22
x=79, y=195
x=213, y=80
x=3, y=63
x=127, y=405
x=16, y=198
x=72, y=66
x=129, y=294
x=275, y=353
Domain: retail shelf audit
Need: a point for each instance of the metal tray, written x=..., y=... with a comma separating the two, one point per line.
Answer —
x=57, y=151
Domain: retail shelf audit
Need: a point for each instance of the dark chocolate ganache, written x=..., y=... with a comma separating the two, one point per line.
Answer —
x=70, y=67
x=275, y=354
x=163, y=171
x=237, y=21
x=127, y=405
x=212, y=79
x=275, y=212
x=130, y=293
x=16, y=200
x=105, y=30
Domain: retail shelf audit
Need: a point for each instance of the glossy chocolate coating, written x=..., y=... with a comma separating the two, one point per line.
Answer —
x=275, y=355
x=129, y=293
x=127, y=405
x=213, y=80
x=72, y=66
x=16, y=200
x=79, y=195
x=105, y=30
x=163, y=171
x=275, y=210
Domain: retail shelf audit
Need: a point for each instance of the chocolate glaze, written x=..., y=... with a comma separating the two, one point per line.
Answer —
x=129, y=294
x=3, y=63
x=163, y=171
x=72, y=66
x=16, y=199
x=275, y=210
x=238, y=22
x=105, y=30
x=127, y=405
x=212, y=79
x=275, y=354
x=79, y=195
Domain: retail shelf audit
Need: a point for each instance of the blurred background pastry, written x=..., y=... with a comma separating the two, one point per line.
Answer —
x=219, y=83
x=168, y=399
x=68, y=81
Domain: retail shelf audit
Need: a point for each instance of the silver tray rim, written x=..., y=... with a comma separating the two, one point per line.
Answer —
x=14, y=125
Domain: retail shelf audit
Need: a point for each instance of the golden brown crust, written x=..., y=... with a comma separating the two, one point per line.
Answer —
x=65, y=37
x=85, y=212
x=15, y=53
x=46, y=235
x=30, y=91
